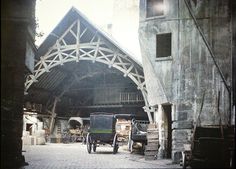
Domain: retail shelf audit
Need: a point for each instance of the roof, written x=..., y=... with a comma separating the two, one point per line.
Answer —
x=82, y=75
x=72, y=15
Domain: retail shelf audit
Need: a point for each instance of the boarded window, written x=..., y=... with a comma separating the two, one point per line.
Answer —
x=154, y=8
x=163, y=45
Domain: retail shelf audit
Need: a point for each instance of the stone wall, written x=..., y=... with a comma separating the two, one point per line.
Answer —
x=16, y=16
x=189, y=72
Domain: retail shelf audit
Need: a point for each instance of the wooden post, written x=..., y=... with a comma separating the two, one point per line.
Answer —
x=52, y=121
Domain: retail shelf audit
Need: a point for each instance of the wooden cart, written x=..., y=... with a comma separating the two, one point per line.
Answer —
x=102, y=131
x=138, y=133
x=210, y=148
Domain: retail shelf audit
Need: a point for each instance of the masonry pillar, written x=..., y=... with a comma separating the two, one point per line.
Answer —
x=12, y=95
x=161, y=151
x=14, y=35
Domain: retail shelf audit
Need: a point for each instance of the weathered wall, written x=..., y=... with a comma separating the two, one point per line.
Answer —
x=16, y=16
x=190, y=70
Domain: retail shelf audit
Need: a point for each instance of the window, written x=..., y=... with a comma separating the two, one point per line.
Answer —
x=154, y=8
x=163, y=45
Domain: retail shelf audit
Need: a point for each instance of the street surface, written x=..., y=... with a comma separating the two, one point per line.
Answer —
x=73, y=156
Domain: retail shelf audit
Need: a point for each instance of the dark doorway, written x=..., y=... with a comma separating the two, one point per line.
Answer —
x=168, y=129
x=29, y=128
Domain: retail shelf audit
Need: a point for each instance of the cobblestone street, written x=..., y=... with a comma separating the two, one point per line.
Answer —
x=68, y=156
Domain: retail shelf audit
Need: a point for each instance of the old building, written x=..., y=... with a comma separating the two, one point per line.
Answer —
x=187, y=50
x=79, y=70
x=187, y=76
x=17, y=60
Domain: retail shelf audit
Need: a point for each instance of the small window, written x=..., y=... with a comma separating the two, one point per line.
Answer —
x=154, y=8
x=163, y=45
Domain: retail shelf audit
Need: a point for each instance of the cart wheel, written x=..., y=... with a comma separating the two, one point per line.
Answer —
x=94, y=147
x=184, y=162
x=88, y=143
x=130, y=142
x=131, y=146
x=115, y=145
x=83, y=140
x=73, y=138
x=143, y=148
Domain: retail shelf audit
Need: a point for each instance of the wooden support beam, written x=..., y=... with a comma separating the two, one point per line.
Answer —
x=53, y=115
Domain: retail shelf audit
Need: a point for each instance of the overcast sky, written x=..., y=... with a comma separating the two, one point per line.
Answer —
x=100, y=12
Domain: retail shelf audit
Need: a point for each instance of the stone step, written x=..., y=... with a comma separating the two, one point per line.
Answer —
x=150, y=158
x=152, y=137
x=151, y=148
x=153, y=141
x=152, y=133
x=154, y=129
x=150, y=153
x=152, y=126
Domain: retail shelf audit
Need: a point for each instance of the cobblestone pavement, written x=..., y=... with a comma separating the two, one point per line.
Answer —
x=73, y=156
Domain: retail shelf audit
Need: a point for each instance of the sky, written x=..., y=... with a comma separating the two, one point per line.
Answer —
x=101, y=12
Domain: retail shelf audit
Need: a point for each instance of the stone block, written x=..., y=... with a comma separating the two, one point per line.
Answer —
x=184, y=107
x=40, y=133
x=153, y=136
x=178, y=146
x=152, y=144
x=179, y=134
x=150, y=157
x=152, y=126
x=182, y=115
x=25, y=133
x=176, y=156
x=150, y=153
x=182, y=125
x=40, y=141
x=32, y=140
x=151, y=148
x=26, y=140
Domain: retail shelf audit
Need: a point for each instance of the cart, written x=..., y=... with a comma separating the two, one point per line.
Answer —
x=212, y=147
x=138, y=133
x=76, y=129
x=102, y=131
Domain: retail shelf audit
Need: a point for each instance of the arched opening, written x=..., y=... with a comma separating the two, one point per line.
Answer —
x=83, y=88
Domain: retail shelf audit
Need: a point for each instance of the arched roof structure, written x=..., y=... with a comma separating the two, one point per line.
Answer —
x=76, y=39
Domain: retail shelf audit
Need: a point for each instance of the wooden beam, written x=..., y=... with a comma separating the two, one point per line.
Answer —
x=53, y=115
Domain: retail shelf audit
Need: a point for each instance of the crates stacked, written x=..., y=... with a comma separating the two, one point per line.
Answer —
x=151, y=148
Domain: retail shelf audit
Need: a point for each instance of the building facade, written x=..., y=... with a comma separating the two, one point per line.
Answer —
x=187, y=56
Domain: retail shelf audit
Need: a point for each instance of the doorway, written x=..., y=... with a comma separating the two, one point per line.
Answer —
x=29, y=128
x=168, y=129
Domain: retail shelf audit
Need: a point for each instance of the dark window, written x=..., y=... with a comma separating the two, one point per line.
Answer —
x=163, y=45
x=154, y=8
